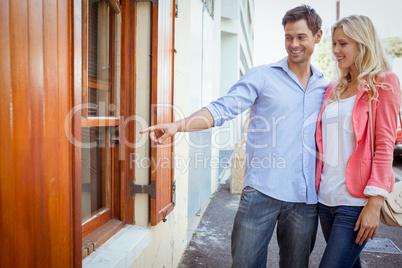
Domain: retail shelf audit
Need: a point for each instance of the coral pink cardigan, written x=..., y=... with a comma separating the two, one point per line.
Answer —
x=361, y=169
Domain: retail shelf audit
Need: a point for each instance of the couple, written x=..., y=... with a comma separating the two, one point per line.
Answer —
x=351, y=173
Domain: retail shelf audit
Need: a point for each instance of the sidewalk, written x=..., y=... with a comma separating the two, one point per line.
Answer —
x=210, y=243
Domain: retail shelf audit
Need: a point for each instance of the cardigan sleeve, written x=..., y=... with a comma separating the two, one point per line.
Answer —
x=387, y=109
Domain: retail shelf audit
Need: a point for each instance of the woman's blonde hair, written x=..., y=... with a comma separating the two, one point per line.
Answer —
x=371, y=61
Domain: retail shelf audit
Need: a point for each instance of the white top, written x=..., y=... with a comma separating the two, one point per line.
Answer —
x=338, y=144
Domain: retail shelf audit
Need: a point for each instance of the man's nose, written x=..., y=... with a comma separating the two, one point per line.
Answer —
x=295, y=43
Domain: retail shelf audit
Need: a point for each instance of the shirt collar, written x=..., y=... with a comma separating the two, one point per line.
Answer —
x=283, y=63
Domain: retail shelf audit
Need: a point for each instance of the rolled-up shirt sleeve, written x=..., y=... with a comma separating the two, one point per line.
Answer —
x=241, y=96
x=375, y=191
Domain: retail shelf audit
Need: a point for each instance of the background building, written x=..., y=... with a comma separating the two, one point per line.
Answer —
x=237, y=52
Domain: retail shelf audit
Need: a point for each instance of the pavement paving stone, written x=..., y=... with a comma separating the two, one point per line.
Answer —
x=210, y=244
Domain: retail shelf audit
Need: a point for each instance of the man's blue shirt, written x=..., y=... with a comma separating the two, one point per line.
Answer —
x=280, y=150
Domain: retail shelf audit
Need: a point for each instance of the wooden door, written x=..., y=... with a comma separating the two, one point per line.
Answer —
x=35, y=157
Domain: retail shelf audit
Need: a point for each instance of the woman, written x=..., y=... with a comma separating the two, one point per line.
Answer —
x=352, y=180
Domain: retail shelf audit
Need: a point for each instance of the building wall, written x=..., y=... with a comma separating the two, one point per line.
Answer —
x=237, y=46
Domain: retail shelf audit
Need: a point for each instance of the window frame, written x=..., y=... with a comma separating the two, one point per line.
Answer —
x=104, y=223
x=87, y=239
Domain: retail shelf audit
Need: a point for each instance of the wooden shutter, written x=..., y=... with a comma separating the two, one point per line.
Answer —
x=35, y=155
x=161, y=111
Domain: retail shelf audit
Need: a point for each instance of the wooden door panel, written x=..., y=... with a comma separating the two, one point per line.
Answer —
x=36, y=180
x=7, y=184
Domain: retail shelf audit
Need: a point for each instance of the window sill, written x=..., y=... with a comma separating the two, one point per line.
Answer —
x=95, y=239
x=121, y=250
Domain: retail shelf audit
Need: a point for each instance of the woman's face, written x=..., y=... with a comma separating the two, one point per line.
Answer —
x=345, y=50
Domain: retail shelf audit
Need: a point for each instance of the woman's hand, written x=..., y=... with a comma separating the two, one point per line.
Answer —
x=369, y=220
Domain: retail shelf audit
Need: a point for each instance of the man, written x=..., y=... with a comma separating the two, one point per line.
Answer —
x=285, y=98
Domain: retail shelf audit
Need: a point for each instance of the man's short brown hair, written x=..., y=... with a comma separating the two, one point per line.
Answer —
x=304, y=12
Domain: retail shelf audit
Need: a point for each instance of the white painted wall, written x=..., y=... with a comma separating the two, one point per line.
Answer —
x=233, y=40
x=230, y=9
x=228, y=133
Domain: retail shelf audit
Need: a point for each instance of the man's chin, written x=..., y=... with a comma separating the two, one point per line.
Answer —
x=297, y=59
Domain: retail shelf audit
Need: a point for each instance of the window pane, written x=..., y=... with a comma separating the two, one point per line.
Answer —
x=104, y=28
x=95, y=169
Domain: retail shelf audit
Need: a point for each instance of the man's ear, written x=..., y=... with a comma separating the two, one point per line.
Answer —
x=318, y=36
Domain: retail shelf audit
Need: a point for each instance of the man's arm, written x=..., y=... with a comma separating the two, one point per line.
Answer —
x=200, y=120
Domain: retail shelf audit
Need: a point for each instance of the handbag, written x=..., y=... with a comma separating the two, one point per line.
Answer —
x=391, y=211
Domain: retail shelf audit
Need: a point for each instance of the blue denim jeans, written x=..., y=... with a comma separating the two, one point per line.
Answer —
x=337, y=224
x=254, y=225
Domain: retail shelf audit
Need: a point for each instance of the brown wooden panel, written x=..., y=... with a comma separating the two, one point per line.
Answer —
x=21, y=133
x=115, y=5
x=76, y=23
x=162, y=97
x=85, y=122
x=65, y=148
x=36, y=80
x=84, y=52
x=7, y=242
x=103, y=215
x=35, y=156
x=100, y=236
x=51, y=153
x=98, y=84
x=127, y=108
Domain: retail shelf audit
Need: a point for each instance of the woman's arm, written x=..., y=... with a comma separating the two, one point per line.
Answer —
x=386, y=118
x=369, y=219
x=381, y=174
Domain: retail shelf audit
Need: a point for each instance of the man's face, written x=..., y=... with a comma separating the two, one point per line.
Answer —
x=300, y=41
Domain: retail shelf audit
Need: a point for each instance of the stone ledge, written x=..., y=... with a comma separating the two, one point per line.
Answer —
x=121, y=250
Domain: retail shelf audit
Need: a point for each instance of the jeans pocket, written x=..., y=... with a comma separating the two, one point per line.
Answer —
x=249, y=189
